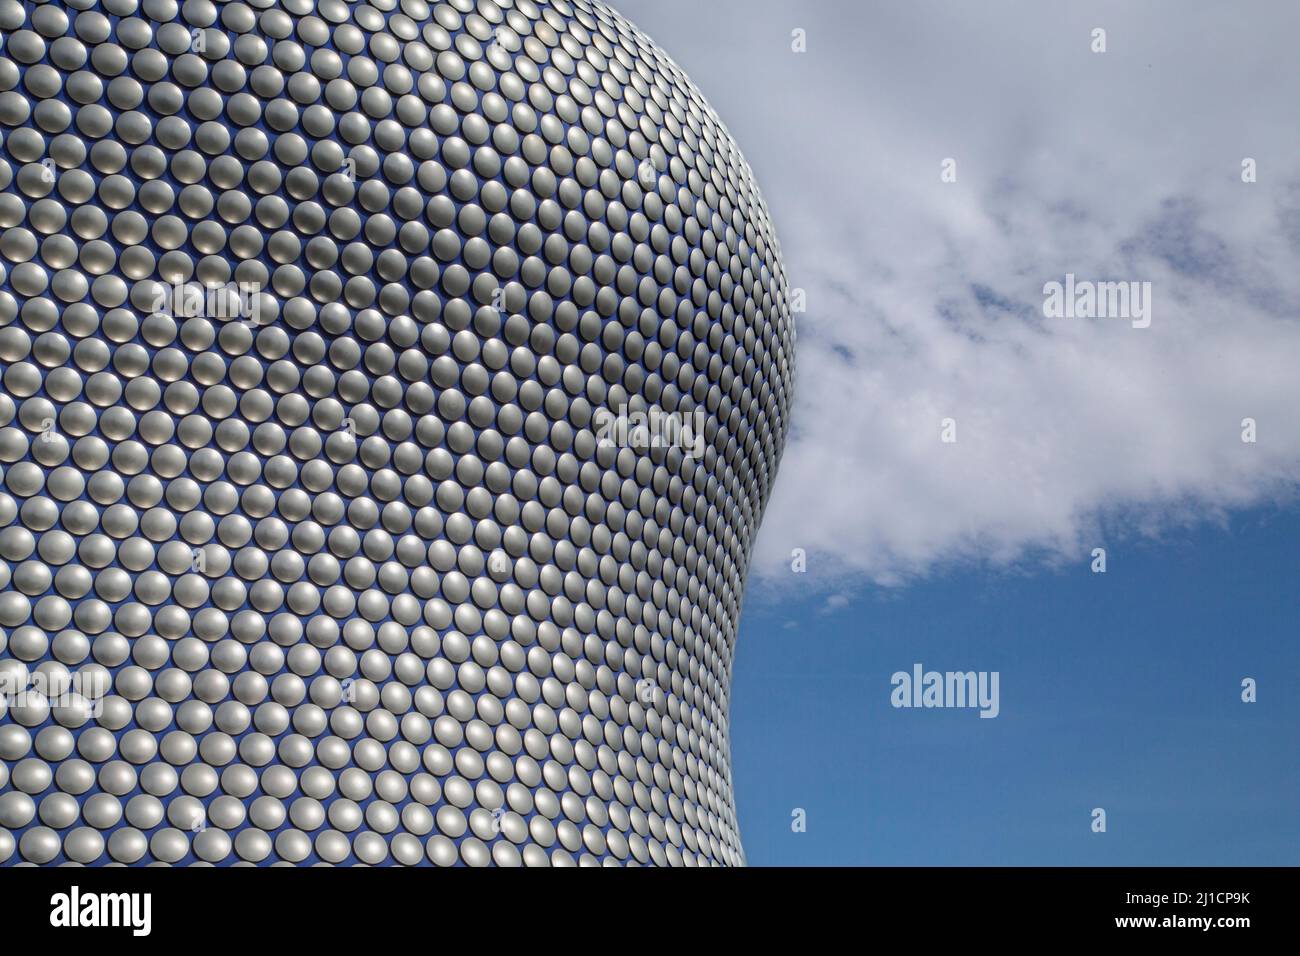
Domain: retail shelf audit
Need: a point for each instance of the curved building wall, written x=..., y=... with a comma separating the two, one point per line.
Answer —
x=390, y=397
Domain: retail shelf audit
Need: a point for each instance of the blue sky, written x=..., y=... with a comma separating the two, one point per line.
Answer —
x=925, y=303
x=1118, y=690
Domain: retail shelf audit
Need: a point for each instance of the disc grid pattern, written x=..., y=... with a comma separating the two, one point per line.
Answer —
x=309, y=549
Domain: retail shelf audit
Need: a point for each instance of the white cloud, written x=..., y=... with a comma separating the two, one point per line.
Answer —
x=925, y=299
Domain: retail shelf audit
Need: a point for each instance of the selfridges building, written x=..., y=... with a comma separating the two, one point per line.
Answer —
x=391, y=396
